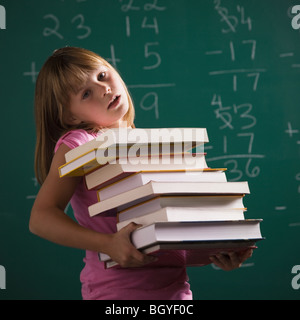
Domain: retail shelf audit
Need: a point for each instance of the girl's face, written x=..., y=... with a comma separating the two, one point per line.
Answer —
x=101, y=101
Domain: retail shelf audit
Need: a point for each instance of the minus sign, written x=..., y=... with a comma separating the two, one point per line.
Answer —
x=214, y=52
x=296, y=224
x=280, y=208
x=289, y=54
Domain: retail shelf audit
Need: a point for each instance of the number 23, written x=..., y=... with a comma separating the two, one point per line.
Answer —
x=54, y=31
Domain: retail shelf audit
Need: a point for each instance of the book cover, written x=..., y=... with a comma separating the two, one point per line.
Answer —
x=123, y=167
x=206, y=203
x=196, y=231
x=152, y=189
x=141, y=178
x=194, y=254
x=184, y=214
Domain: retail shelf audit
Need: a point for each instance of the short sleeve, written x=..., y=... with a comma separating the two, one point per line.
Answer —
x=75, y=138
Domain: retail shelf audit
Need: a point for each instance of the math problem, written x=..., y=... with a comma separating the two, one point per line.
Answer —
x=232, y=67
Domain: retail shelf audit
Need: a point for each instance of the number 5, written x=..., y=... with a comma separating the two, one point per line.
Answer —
x=152, y=53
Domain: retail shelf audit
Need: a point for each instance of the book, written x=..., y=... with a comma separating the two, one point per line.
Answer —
x=201, y=235
x=153, y=188
x=111, y=141
x=90, y=161
x=123, y=168
x=215, y=202
x=184, y=214
x=141, y=178
x=187, y=254
x=196, y=231
x=80, y=166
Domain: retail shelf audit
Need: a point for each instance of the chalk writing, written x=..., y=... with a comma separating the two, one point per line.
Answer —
x=33, y=73
x=36, y=187
x=297, y=177
x=83, y=30
x=248, y=73
x=290, y=131
x=152, y=55
x=150, y=5
x=113, y=60
x=230, y=20
x=236, y=120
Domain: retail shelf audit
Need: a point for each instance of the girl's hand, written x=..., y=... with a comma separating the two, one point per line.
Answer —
x=122, y=251
x=231, y=260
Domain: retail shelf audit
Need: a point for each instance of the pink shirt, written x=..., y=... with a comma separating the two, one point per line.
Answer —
x=118, y=283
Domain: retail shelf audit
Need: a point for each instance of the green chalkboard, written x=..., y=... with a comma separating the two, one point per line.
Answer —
x=232, y=67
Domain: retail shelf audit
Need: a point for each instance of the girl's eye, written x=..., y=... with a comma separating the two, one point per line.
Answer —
x=86, y=94
x=101, y=76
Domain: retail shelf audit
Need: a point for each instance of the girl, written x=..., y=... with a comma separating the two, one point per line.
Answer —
x=78, y=93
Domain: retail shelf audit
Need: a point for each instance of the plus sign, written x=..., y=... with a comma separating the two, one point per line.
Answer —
x=290, y=130
x=33, y=73
x=113, y=60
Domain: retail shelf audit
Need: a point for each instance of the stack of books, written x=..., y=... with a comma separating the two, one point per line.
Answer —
x=187, y=210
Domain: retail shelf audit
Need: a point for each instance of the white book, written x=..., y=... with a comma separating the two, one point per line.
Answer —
x=179, y=254
x=80, y=166
x=184, y=138
x=184, y=234
x=123, y=167
x=198, y=202
x=181, y=214
x=152, y=189
x=196, y=231
x=139, y=179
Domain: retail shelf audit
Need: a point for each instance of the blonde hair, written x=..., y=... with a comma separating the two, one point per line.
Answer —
x=62, y=74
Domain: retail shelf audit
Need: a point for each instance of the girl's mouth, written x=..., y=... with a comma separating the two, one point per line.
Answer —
x=114, y=102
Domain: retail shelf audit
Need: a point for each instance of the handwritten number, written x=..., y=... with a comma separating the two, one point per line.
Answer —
x=234, y=170
x=153, y=26
x=254, y=172
x=52, y=31
x=152, y=53
x=81, y=26
x=246, y=114
x=153, y=6
x=154, y=105
x=147, y=7
x=129, y=6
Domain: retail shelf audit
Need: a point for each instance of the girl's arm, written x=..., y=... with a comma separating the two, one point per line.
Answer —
x=49, y=221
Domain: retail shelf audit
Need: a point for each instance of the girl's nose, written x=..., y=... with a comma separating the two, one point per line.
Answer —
x=107, y=90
